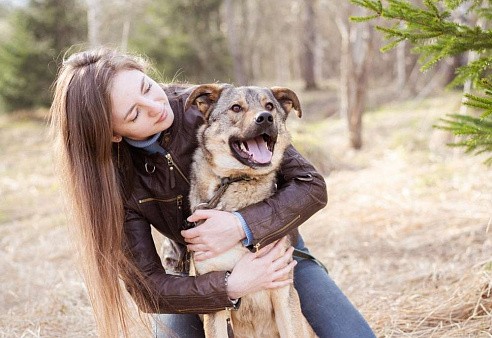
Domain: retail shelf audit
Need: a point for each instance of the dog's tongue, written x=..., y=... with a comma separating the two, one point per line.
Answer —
x=257, y=147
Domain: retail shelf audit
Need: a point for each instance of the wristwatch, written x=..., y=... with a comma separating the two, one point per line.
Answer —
x=234, y=302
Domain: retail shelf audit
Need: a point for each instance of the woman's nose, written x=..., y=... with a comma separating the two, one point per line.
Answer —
x=153, y=107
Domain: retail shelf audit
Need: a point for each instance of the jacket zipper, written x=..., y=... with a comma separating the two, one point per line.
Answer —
x=179, y=209
x=257, y=245
x=179, y=204
x=178, y=199
x=172, y=165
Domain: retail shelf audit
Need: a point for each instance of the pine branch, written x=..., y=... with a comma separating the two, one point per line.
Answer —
x=477, y=133
x=435, y=37
x=479, y=103
x=363, y=18
x=473, y=71
x=426, y=25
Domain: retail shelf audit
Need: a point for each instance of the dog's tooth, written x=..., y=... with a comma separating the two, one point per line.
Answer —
x=244, y=146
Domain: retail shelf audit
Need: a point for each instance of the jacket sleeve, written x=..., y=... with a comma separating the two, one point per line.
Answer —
x=301, y=192
x=159, y=292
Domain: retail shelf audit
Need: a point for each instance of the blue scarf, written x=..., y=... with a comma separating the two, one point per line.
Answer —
x=151, y=145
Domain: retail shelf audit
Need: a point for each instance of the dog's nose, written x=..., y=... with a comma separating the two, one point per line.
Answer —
x=264, y=119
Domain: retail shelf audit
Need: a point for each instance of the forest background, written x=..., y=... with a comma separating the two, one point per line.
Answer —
x=406, y=233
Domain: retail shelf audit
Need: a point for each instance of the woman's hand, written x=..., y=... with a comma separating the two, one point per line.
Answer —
x=220, y=232
x=267, y=269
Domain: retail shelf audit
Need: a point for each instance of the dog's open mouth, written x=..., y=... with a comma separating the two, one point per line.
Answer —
x=254, y=151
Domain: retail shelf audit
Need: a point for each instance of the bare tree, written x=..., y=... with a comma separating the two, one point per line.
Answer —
x=249, y=38
x=94, y=22
x=401, y=66
x=356, y=58
x=127, y=18
x=234, y=45
x=471, y=55
x=309, y=44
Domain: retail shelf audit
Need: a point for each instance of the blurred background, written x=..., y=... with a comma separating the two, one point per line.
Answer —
x=304, y=44
x=406, y=234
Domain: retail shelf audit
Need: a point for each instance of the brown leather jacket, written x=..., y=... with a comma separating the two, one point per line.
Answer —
x=159, y=197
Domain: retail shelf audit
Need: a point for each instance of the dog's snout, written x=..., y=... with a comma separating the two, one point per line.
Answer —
x=264, y=119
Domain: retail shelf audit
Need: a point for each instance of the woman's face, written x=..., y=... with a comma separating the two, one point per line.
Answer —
x=140, y=107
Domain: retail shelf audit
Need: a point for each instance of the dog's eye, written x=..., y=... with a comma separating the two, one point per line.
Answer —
x=269, y=106
x=236, y=108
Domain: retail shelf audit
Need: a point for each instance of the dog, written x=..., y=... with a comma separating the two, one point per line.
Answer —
x=241, y=146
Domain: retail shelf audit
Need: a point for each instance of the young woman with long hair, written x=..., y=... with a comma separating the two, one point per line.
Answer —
x=124, y=146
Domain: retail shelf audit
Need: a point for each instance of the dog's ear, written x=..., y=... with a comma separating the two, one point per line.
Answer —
x=287, y=99
x=204, y=96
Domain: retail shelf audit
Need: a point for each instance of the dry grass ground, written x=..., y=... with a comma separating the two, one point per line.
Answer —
x=406, y=235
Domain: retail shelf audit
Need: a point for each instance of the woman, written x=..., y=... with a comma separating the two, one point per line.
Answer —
x=124, y=148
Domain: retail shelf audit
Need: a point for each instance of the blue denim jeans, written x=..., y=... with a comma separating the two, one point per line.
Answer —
x=326, y=308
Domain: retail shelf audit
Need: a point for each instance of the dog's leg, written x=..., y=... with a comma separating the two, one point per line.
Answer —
x=287, y=307
x=215, y=324
x=288, y=316
x=284, y=319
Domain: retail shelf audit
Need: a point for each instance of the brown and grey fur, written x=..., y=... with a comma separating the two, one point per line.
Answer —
x=268, y=313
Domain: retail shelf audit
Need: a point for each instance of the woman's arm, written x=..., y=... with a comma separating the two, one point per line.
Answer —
x=160, y=292
x=301, y=192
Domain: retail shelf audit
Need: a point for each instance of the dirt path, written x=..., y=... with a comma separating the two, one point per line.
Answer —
x=406, y=233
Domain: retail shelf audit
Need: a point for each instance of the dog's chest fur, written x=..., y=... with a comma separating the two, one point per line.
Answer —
x=237, y=195
x=256, y=315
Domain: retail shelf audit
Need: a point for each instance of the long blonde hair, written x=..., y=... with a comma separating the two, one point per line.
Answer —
x=87, y=162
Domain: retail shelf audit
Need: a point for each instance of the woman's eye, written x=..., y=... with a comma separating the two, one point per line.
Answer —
x=136, y=115
x=269, y=106
x=148, y=88
x=236, y=108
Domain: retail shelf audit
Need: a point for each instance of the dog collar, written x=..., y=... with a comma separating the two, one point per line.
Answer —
x=224, y=184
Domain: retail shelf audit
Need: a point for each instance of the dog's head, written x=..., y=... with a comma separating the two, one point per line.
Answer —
x=245, y=130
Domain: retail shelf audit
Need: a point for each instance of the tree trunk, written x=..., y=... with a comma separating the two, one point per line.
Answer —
x=309, y=42
x=356, y=57
x=401, y=66
x=471, y=57
x=234, y=47
x=93, y=22
x=362, y=53
x=345, y=64
x=318, y=59
x=356, y=109
x=127, y=19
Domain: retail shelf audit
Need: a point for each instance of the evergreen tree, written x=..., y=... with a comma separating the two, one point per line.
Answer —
x=435, y=37
x=39, y=33
x=184, y=40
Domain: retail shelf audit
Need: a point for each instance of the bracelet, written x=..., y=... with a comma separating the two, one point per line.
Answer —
x=226, y=279
x=227, y=274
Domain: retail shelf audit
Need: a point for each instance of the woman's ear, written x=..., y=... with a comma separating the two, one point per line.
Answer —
x=116, y=138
